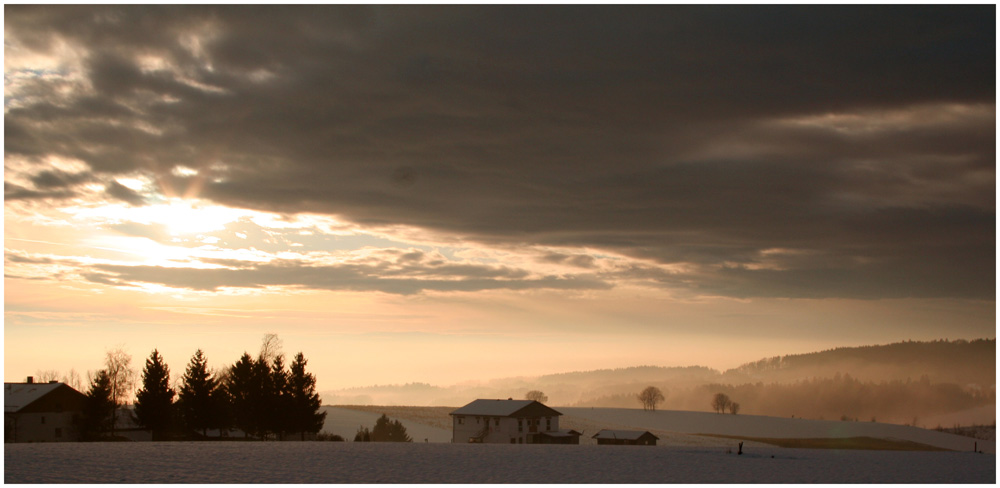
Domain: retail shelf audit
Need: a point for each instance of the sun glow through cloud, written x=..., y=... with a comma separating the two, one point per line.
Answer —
x=355, y=182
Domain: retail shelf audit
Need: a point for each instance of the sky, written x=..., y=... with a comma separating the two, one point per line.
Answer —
x=448, y=193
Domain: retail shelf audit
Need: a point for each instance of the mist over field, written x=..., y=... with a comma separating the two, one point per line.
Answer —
x=940, y=383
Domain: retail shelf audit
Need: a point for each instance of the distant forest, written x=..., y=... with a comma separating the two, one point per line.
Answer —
x=959, y=361
x=906, y=382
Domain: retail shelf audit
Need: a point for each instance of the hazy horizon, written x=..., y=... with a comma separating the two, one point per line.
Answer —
x=441, y=193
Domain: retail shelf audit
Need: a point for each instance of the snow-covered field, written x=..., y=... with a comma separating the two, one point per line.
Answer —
x=348, y=462
x=674, y=428
x=681, y=457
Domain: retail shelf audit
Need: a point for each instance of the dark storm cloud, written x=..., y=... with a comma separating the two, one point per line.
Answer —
x=124, y=193
x=58, y=179
x=16, y=192
x=691, y=135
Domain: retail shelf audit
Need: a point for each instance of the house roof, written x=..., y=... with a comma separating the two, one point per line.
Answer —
x=622, y=434
x=19, y=395
x=506, y=408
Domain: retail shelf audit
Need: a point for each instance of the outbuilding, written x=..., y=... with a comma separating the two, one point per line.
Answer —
x=626, y=437
x=41, y=412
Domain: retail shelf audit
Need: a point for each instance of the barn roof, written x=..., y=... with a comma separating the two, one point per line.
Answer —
x=506, y=408
x=560, y=433
x=622, y=434
x=19, y=395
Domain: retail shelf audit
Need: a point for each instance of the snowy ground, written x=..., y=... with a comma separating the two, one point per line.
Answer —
x=348, y=462
x=675, y=428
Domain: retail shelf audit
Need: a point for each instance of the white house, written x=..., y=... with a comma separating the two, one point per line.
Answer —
x=40, y=412
x=509, y=422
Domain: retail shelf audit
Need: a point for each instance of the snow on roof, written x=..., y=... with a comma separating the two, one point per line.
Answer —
x=19, y=395
x=622, y=434
x=502, y=408
x=560, y=433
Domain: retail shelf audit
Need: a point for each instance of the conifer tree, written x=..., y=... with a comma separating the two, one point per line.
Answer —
x=222, y=404
x=261, y=398
x=305, y=415
x=278, y=400
x=154, y=401
x=96, y=416
x=197, y=399
x=389, y=431
x=363, y=435
x=242, y=389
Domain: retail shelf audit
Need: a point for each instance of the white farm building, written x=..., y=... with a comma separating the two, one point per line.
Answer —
x=40, y=412
x=509, y=422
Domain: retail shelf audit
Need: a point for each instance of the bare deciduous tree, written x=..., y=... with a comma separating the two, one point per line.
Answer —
x=536, y=395
x=720, y=402
x=46, y=376
x=73, y=379
x=118, y=366
x=650, y=397
x=270, y=348
x=734, y=408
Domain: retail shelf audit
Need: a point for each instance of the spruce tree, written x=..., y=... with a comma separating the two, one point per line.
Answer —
x=242, y=389
x=197, y=399
x=304, y=411
x=363, y=435
x=261, y=398
x=389, y=431
x=278, y=400
x=154, y=401
x=98, y=408
x=222, y=405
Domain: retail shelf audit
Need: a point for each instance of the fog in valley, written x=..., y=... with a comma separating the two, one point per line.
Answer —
x=929, y=384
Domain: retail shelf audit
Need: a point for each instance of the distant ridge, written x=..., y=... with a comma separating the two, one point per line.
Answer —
x=943, y=361
x=895, y=382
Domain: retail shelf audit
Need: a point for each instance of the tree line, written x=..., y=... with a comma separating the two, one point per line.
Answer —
x=385, y=430
x=257, y=395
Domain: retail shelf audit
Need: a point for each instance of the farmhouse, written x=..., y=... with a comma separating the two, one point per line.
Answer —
x=626, y=437
x=509, y=422
x=40, y=412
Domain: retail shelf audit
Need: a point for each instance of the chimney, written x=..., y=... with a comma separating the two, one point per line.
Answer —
x=31, y=379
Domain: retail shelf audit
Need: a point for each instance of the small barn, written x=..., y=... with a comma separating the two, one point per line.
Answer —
x=561, y=436
x=41, y=412
x=508, y=422
x=626, y=437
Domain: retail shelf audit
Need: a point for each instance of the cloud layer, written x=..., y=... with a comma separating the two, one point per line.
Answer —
x=742, y=151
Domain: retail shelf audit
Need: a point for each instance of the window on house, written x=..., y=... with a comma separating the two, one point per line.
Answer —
x=548, y=423
x=43, y=419
x=496, y=421
x=477, y=420
x=58, y=432
x=520, y=425
x=461, y=420
x=513, y=441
